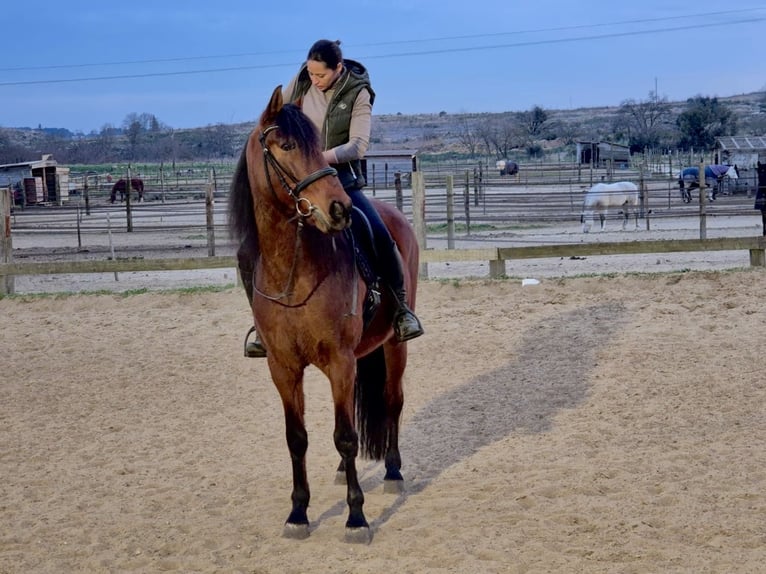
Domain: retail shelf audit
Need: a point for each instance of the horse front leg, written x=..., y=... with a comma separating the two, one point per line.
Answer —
x=347, y=443
x=290, y=387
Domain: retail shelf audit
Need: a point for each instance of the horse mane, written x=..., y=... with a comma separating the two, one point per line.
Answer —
x=241, y=211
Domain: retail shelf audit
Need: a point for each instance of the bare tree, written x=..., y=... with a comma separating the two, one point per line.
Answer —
x=533, y=122
x=499, y=134
x=645, y=122
x=467, y=135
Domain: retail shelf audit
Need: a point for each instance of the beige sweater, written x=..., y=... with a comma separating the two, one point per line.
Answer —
x=315, y=107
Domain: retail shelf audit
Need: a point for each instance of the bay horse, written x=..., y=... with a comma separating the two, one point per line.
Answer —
x=121, y=186
x=602, y=196
x=308, y=303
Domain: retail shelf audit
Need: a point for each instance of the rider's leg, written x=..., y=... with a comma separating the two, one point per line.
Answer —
x=406, y=324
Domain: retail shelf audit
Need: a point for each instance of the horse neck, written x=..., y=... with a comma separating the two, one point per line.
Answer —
x=287, y=247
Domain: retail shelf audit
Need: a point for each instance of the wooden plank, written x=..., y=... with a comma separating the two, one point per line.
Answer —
x=452, y=255
x=121, y=265
x=632, y=247
x=497, y=256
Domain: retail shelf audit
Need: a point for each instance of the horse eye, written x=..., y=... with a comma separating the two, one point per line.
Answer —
x=288, y=146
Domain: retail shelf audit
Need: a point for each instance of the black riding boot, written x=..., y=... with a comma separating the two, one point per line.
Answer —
x=406, y=325
x=253, y=349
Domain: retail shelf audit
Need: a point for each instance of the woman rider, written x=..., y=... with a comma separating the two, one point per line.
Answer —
x=337, y=97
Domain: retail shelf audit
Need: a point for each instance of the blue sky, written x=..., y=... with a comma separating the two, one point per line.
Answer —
x=82, y=65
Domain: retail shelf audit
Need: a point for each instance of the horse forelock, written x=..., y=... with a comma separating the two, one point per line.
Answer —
x=294, y=125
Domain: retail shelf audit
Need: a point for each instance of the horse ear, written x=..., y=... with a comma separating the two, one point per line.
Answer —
x=275, y=104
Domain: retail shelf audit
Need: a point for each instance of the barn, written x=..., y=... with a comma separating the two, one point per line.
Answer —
x=36, y=182
x=603, y=154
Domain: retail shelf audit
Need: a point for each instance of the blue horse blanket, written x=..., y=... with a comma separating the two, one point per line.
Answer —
x=713, y=174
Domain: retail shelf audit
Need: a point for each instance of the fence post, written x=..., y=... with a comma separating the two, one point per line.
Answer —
x=467, y=204
x=703, y=201
x=86, y=195
x=128, y=211
x=7, y=282
x=419, y=216
x=209, y=215
x=398, y=188
x=450, y=213
x=162, y=183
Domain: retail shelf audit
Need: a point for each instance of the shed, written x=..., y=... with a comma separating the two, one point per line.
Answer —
x=379, y=166
x=39, y=181
x=602, y=154
x=744, y=151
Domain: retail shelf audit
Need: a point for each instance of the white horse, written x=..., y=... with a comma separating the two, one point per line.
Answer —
x=602, y=196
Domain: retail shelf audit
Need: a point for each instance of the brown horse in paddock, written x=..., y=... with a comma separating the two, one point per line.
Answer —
x=308, y=303
x=121, y=186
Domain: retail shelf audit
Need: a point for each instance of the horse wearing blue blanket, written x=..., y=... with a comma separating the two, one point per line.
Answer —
x=689, y=179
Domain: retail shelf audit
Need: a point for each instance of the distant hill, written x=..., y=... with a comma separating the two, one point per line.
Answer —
x=428, y=133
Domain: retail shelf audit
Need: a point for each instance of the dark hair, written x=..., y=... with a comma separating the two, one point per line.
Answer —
x=326, y=51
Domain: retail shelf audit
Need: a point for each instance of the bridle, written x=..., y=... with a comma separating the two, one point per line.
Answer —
x=303, y=206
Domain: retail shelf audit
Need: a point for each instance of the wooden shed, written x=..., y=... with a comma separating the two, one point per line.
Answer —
x=744, y=151
x=603, y=154
x=380, y=166
x=36, y=182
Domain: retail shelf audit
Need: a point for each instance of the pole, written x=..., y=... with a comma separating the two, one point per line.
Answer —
x=7, y=282
x=111, y=244
x=703, y=201
x=419, y=215
x=128, y=212
x=450, y=213
x=209, y=215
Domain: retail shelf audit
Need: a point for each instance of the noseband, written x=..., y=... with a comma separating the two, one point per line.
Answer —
x=303, y=206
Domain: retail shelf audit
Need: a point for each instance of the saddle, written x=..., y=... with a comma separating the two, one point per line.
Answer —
x=360, y=234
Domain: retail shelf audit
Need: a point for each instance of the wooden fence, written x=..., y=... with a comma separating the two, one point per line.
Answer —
x=497, y=257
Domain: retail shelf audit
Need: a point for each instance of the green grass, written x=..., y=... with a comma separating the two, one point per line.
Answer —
x=121, y=294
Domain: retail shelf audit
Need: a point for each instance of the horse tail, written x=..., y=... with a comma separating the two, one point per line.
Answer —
x=370, y=400
x=241, y=211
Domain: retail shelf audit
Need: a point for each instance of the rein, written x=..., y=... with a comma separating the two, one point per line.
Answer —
x=303, y=207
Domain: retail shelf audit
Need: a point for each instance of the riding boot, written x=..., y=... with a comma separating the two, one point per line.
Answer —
x=406, y=324
x=253, y=349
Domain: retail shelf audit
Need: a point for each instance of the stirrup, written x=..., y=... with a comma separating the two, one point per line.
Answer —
x=254, y=349
x=407, y=326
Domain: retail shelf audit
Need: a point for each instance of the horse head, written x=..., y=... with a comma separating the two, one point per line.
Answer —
x=292, y=171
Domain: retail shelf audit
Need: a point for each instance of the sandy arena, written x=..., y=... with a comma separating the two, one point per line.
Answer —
x=587, y=424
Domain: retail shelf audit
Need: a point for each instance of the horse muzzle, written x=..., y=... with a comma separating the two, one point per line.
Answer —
x=337, y=218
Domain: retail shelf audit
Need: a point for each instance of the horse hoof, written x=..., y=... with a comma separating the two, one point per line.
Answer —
x=393, y=486
x=358, y=535
x=296, y=531
x=340, y=478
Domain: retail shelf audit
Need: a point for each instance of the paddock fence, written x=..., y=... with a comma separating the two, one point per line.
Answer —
x=477, y=210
